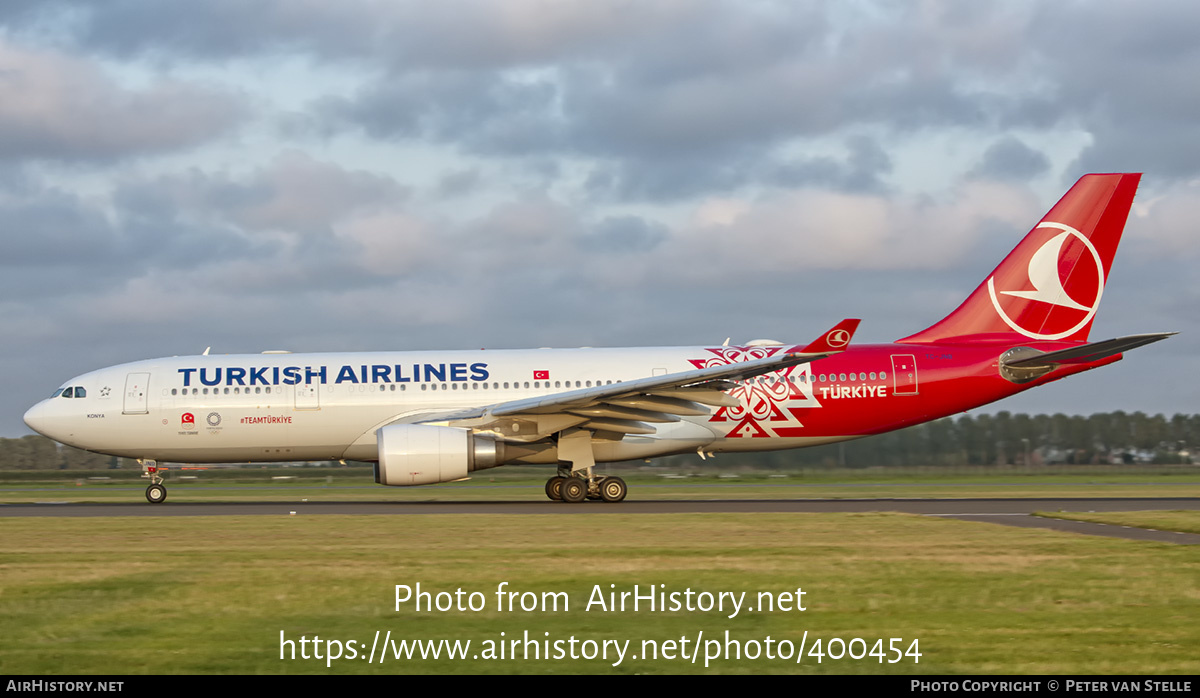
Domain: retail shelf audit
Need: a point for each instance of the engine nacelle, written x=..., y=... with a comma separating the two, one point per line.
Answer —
x=419, y=454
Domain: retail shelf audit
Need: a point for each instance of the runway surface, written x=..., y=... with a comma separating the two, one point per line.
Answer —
x=1009, y=512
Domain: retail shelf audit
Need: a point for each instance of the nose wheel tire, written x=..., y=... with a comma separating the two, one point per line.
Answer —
x=155, y=494
x=554, y=488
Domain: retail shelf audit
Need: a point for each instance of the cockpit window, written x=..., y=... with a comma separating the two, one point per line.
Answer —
x=68, y=392
x=80, y=392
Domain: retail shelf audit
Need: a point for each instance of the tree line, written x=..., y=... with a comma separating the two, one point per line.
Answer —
x=999, y=439
x=1014, y=439
x=39, y=453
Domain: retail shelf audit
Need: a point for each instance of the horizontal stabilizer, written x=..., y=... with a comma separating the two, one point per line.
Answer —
x=1089, y=352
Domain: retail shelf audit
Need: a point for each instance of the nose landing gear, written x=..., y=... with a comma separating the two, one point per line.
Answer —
x=156, y=493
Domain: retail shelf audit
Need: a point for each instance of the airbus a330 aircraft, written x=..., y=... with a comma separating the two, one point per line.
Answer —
x=429, y=417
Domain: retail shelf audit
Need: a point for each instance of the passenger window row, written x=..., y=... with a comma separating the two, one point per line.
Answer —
x=217, y=391
x=510, y=385
x=392, y=387
x=822, y=378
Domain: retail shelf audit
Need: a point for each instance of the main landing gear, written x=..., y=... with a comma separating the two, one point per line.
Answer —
x=572, y=487
x=156, y=493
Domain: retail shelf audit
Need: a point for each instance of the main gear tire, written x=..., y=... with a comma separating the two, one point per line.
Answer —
x=554, y=488
x=574, y=490
x=613, y=489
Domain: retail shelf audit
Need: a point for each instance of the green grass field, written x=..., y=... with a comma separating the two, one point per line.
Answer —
x=211, y=595
x=1183, y=521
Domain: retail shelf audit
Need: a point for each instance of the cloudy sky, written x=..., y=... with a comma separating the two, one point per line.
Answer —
x=368, y=175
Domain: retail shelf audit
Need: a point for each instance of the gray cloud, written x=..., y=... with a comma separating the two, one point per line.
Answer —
x=21, y=12
x=625, y=234
x=175, y=29
x=459, y=183
x=688, y=113
x=864, y=169
x=1009, y=158
x=55, y=230
x=293, y=193
x=678, y=102
x=290, y=224
x=668, y=179
x=717, y=82
x=461, y=34
x=1127, y=76
x=61, y=108
x=483, y=111
x=55, y=245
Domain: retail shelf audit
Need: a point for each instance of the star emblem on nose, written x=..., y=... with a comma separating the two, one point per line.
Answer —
x=105, y=391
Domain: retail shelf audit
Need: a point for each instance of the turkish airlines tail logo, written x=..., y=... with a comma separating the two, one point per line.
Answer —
x=1048, y=311
x=837, y=338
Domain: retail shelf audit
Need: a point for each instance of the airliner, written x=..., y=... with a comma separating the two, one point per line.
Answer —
x=439, y=416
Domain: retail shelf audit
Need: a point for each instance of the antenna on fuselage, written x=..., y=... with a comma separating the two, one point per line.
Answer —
x=206, y=350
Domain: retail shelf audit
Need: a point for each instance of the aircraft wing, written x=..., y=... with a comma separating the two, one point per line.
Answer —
x=630, y=407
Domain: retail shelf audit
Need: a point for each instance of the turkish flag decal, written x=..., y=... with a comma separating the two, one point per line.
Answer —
x=541, y=375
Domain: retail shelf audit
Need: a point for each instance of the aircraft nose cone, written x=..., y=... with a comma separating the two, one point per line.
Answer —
x=37, y=419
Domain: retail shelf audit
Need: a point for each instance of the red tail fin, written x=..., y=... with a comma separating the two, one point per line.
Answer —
x=1050, y=285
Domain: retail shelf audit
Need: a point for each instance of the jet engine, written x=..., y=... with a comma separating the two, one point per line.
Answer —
x=419, y=454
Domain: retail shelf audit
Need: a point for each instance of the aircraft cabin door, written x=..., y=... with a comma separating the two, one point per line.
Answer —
x=904, y=374
x=308, y=397
x=136, y=393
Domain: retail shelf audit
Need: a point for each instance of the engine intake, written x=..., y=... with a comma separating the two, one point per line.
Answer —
x=419, y=454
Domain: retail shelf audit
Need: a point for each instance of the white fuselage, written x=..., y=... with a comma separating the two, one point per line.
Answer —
x=293, y=407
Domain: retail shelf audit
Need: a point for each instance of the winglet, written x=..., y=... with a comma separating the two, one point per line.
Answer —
x=835, y=340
